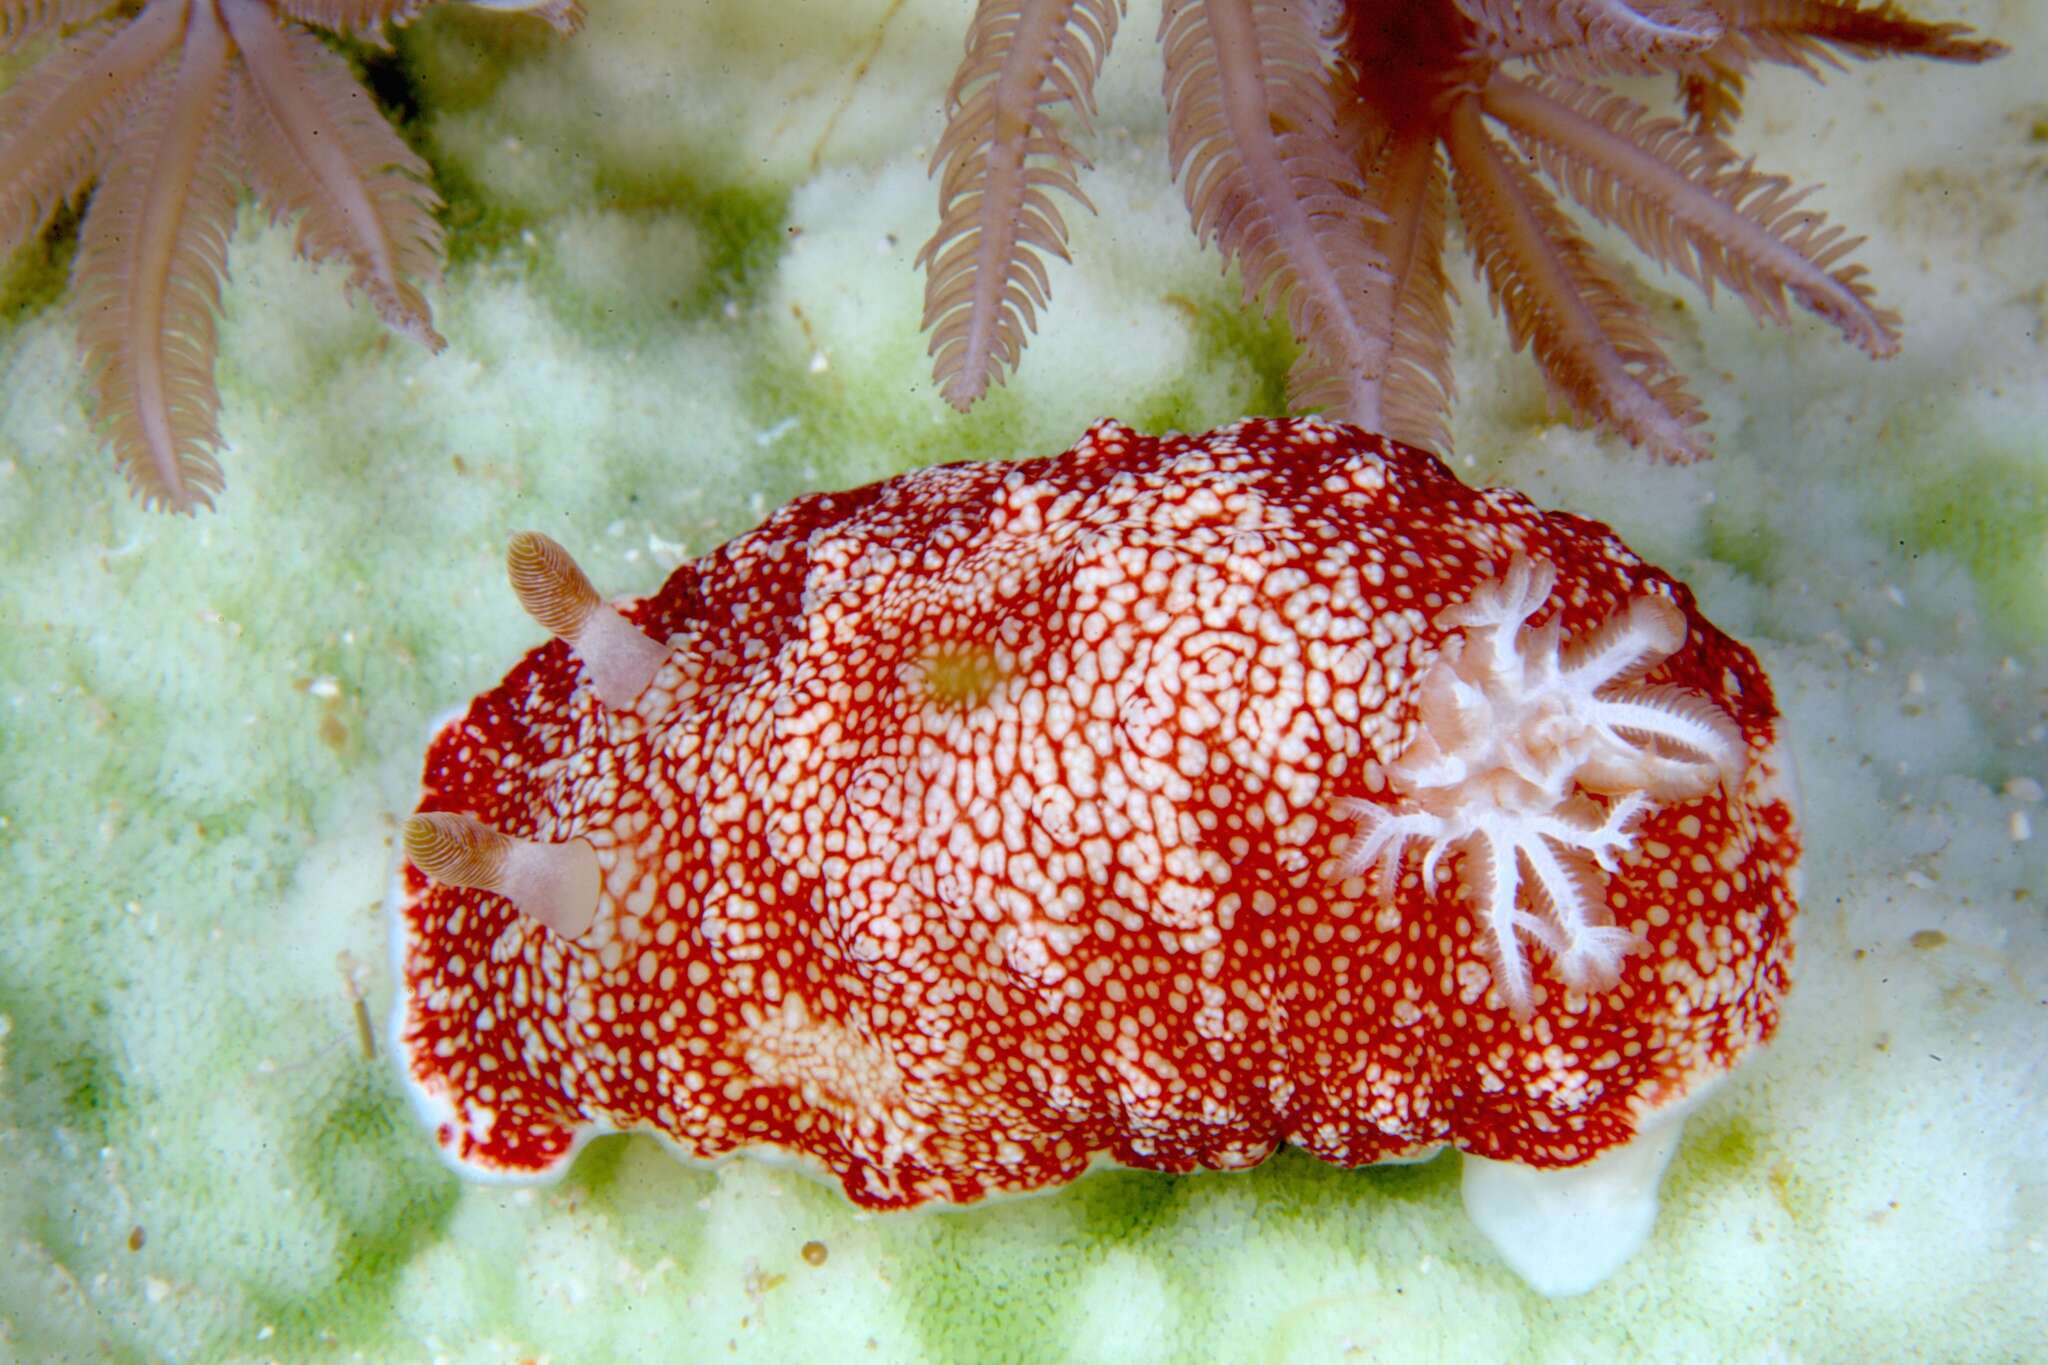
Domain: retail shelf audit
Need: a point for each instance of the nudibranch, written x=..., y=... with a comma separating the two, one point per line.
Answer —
x=1157, y=802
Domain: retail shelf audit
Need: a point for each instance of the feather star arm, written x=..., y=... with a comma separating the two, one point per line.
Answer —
x=1589, y=36
x=21, y=20
x=1252, y=138
x=1320, y=145
x=250, y=95
x=317, y=150
x=1594, y=344
x=1688, y=201
x=1000, y=158
x=62, y=116
x=1809, y=35
x=152, y=256
x=1405, y=388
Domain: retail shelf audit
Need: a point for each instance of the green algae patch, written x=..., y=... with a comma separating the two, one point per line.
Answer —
x=457, y=57
x=597, y=1168
x=1732, y=1152
x=1299, y=1184
x=89, y=1087
x=37, y=275
x=1715, y=1150
x=744, y=229
x=356, y=1156
x=635, y=264
x=1240, y=364
x=649, y=1203
x=480, y=225
x=1983, y=503
x=1122, y=1204
x=1056, y=1278
x=975, y=1296
x=1742, y=529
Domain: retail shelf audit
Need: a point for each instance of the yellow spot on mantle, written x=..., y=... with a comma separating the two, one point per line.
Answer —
x=960, y=675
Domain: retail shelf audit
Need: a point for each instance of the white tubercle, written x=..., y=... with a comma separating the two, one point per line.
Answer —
x=1521, y=739
x=620, y=658
x=556, y=884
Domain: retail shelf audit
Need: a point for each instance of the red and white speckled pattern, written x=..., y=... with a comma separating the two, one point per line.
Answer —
x=988, y=818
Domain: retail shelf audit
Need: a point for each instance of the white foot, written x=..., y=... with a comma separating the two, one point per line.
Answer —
x=1566, y=1230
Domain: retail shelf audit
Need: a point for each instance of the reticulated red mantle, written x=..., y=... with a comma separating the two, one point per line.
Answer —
x=999, y=815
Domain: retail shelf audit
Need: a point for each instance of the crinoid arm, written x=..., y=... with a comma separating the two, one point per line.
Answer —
x=1591, y=35
x=1596, y=345
x=1252, y=135
x=317, y=151
x=1690, y=202
x=1812, y=36
x=58, y=120
x=1402, y=385
x=1001, y=163
x=151, y=257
